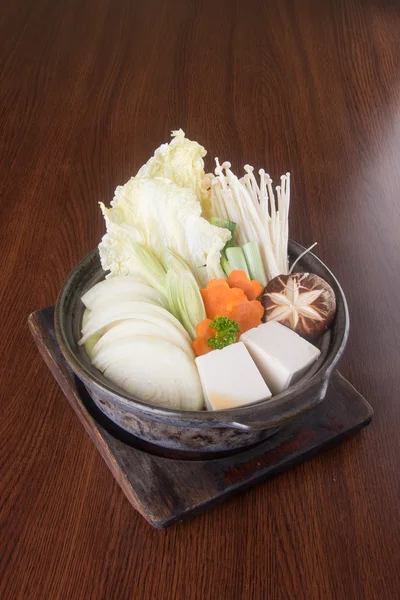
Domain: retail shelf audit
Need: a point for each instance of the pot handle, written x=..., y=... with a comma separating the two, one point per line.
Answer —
x=260, y=425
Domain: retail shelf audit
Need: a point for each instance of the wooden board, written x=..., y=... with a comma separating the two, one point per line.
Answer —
x=167, y=490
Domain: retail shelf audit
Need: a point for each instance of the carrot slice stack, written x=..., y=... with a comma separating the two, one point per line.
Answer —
x=235, y=299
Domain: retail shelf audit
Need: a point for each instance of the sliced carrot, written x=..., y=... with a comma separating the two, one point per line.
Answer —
x=247, y=314
x=251, y=287
x=238, y=294
x=232, y=302
x=203, y=329
x=200, y=346
x=216, y=298
x=217, y=283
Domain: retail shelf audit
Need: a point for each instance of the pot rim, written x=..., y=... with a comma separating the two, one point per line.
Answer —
x=230, y=416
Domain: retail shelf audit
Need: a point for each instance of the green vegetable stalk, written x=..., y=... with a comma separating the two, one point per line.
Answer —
x=225, y=330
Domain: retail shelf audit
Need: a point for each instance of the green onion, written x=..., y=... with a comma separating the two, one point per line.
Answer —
x=185, y=301
x=190, y=303
x=254, y=262
x=226, y=265
x=150, y=267
x=172, y=287
x=237, y=260
x=170, y=260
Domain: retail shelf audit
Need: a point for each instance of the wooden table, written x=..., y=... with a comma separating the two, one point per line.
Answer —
x=88, y=90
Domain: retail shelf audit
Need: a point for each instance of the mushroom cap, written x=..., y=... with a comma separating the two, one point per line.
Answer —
x=303, y=302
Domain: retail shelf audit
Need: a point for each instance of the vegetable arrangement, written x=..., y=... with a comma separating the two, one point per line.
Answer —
x=234, y=299
x=194, y=266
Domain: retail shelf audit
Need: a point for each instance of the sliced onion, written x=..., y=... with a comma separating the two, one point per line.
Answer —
x=155, y=371
x=151, y=325
x=121, y=288
x=91, y=341
x=125, y=310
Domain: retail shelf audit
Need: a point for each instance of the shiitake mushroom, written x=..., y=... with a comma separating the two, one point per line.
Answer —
x=303, y=302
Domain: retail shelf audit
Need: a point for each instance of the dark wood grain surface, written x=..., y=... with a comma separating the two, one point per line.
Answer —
x=88, y=89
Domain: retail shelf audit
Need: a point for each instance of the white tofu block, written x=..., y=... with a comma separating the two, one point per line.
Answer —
x=281, y=355
x=230, y=378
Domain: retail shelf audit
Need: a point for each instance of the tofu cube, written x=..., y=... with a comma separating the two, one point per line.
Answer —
x=281, y=355
x=230, y=378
